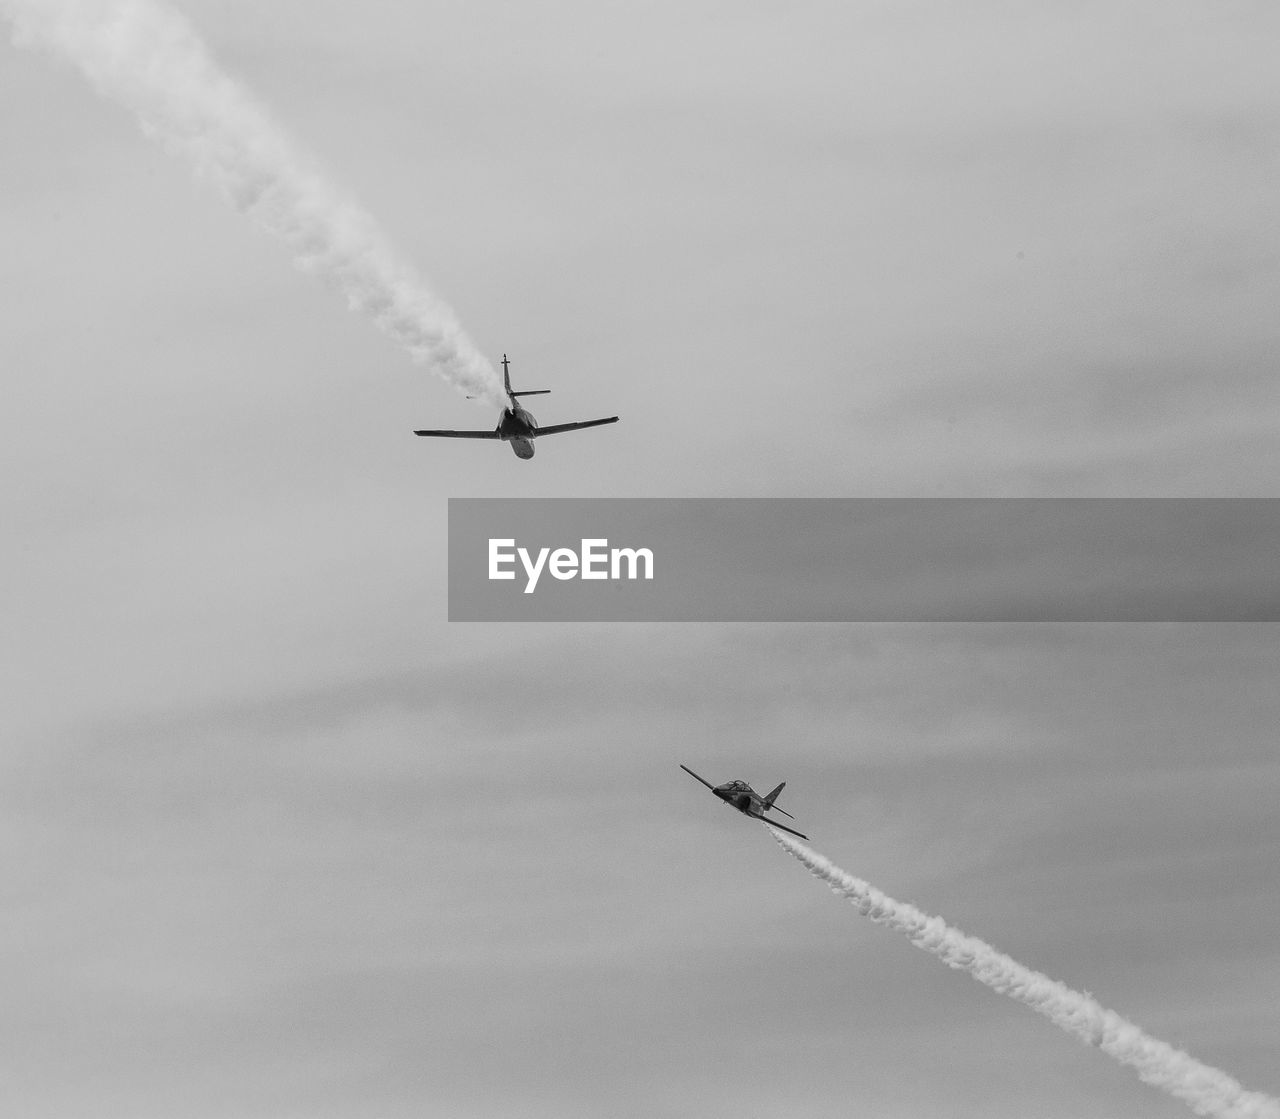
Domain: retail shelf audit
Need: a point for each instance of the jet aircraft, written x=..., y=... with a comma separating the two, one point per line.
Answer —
x=740, y=795
x=516, y=424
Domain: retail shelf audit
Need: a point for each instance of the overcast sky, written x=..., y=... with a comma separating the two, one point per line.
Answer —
x=285, y=843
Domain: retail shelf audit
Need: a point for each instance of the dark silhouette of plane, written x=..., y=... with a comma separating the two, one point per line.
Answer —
x=740, y=795
x=517, y=425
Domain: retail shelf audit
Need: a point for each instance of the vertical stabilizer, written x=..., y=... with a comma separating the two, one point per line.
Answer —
x=506, y=383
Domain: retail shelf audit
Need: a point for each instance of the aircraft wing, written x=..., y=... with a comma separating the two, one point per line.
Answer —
x=690, y=772
x=775, y=824
x=556, y=429
x=490, y=434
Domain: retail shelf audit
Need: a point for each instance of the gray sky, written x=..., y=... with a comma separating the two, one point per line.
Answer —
x=285, y=843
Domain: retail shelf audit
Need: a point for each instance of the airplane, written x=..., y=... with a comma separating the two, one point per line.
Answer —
x=740, y=795
x=517, y=425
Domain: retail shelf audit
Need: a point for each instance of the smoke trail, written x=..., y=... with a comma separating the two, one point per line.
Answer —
x=1207, y=1090
x=147, y=57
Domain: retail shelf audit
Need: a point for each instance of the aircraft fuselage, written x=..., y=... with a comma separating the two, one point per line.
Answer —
x=744, y=800
x=517, y=426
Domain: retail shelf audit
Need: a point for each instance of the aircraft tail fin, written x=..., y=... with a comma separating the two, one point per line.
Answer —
x=769, y=805
x=506, y=382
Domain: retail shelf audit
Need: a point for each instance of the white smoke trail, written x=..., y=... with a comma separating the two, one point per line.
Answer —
x=1207, y=1090
x=148, y=58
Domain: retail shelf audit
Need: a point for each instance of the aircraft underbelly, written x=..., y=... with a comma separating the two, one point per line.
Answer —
x=522, y=447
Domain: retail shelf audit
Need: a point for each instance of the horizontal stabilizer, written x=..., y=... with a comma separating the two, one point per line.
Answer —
x=555, y=429
x=532, y=392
